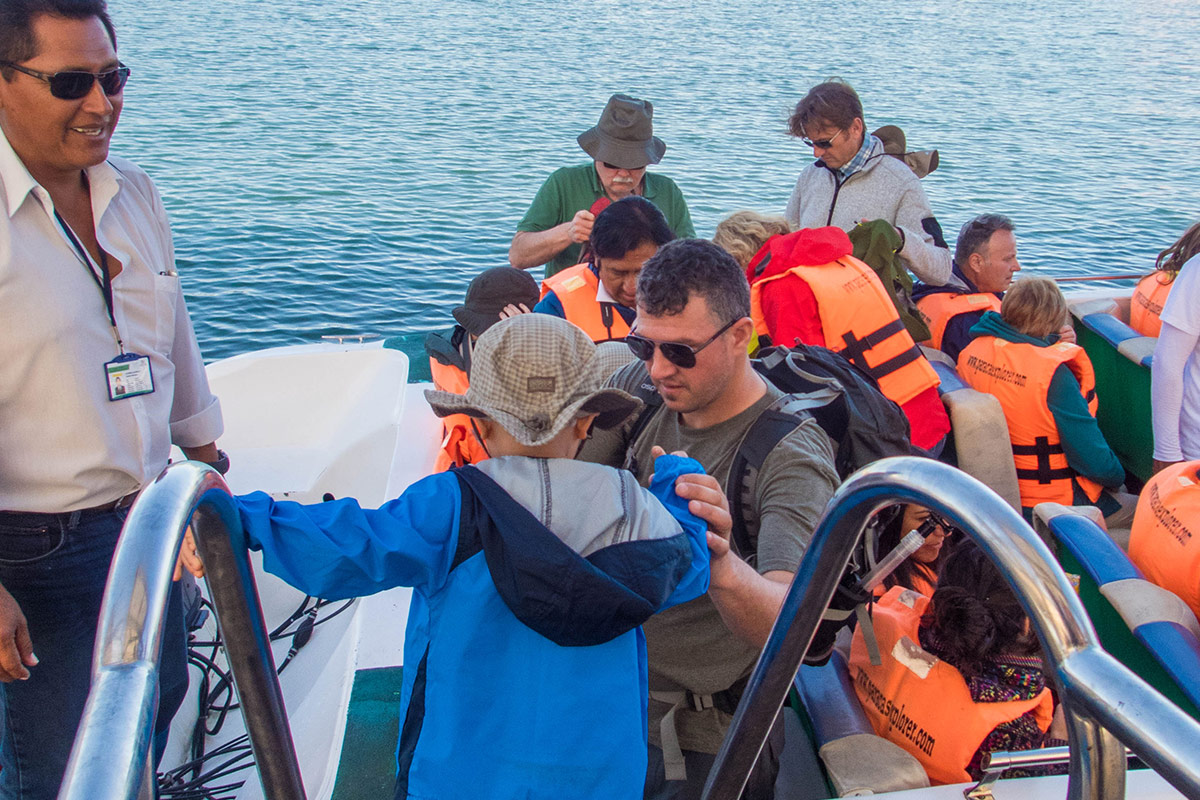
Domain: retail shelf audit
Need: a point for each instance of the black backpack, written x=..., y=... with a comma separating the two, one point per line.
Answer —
x=865, y=423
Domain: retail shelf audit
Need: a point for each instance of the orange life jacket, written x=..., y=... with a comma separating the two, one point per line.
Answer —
x=459, y=445
x=576, y=289
x=939, y=308
x=1146, y=304
x=920, y=702
x=1165, y=540
x=1019, y=374
x=859, y=320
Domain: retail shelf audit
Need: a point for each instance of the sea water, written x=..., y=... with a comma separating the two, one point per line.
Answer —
x=346, y=166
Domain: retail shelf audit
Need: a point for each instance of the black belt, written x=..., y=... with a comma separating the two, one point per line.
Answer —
x=38, y=517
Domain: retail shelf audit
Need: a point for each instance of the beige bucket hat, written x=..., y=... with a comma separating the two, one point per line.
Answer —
x=534, y=374
x=921, y=162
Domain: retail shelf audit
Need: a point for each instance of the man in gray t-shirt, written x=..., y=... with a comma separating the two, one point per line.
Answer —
x=692, y=333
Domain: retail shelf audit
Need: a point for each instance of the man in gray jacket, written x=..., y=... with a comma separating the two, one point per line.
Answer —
x=853, y=180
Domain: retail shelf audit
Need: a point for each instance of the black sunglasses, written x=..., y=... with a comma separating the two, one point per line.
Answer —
x=614, y=167
x=824, y=144
x=72, y=85
x=936, y=521
x=679, y=354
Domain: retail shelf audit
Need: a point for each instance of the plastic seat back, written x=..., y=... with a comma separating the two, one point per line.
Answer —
x=1121, y=358
x=1151, y=630
x=982, y=447
x=856, y=760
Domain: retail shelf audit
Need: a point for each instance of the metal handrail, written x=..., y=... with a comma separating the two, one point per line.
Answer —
x=1087, y=676
x=111, y=755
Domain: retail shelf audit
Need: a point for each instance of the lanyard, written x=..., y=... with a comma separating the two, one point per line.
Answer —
x=103, y=280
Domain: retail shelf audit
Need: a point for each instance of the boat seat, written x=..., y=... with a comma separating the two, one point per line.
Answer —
x=1139, y=350
x=981, y=443
x=1121, y=358
x=1161, y=636
x=857, y=761
x=1095, y=305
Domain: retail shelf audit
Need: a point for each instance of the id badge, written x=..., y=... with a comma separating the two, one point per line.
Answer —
x=128, y=376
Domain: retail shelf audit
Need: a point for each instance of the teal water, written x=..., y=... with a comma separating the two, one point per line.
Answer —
x=346, y=167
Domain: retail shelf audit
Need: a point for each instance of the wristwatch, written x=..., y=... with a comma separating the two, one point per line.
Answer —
x=221, y=465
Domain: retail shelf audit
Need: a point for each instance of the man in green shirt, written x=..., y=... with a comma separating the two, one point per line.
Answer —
x=560, y=218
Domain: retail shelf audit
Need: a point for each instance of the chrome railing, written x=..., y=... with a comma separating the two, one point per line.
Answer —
x=1098, y=692
x=111, y=756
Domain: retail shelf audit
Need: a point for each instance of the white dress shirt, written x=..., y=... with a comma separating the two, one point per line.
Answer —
x=63, y=444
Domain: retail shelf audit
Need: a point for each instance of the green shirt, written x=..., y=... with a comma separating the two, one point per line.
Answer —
x=688, y=645
x=572, y=189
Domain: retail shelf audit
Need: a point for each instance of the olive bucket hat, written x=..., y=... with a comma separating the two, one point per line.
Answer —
x=534, y=374
x=624, y=137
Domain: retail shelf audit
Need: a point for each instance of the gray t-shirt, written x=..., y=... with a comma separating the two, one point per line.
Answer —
x=689, y=646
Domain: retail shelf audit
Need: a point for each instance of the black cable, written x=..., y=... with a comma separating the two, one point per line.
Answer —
x=215, y=696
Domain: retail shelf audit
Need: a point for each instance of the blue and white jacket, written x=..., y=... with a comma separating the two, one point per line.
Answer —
x=525, y=664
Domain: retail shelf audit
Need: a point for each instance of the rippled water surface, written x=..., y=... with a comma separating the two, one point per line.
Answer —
x=344, y=167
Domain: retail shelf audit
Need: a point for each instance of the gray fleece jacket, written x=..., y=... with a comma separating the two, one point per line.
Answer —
x=883, y=189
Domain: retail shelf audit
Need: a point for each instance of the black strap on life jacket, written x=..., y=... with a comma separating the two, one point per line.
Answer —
x=856, y=350
x=450, y=351
x=1042, y=449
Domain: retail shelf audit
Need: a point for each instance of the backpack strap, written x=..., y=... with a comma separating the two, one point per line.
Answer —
x=643, y=390
x=773, y=424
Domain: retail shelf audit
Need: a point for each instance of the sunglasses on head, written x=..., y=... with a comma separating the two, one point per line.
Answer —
x=823, y=144
x=72, y=84
x=679, y=354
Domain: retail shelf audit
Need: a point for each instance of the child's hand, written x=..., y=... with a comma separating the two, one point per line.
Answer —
x=189, y=559
x=511, y=310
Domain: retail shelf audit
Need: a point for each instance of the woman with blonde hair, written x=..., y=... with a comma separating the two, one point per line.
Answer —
x=1175, y=374
x=1047, y=389
x=743, y=233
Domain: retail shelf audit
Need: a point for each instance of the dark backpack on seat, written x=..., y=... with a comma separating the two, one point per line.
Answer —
x=860, y=419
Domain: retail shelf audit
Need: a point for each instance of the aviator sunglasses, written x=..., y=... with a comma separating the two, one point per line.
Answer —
x=824, y=144
x=73, y=84
x=679, y=354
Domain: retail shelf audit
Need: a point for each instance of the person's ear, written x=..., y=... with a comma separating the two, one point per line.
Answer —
x=583, y=426
x=742, y=333
x=975, y=263
x=483, y=428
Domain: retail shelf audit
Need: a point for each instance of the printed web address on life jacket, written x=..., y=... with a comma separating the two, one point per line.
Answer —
x=900, y=722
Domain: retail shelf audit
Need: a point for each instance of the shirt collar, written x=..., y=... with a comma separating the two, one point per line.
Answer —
x=602, y=295
x=104, y=180
x=648, y=189
x=18, y=183
x=860, y=158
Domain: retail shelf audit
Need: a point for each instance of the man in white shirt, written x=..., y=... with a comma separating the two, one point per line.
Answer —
x=100, y=373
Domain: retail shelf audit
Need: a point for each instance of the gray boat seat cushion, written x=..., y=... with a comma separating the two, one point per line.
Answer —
x=981, y=441
x=865, y=764
x=1140, y=601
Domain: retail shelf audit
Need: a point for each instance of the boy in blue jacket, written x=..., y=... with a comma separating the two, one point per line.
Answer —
x=525, y=665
